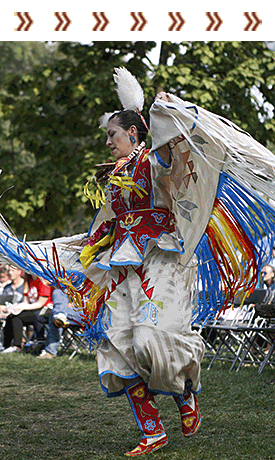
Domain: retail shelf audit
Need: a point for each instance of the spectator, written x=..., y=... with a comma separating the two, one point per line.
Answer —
x=60, y=317
x=14, y=288
x=268, y=278
x=4, y=277
x=272, y=261
x=37, y=295
x=268, y=282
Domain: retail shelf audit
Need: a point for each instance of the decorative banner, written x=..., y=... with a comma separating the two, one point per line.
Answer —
x=177, y=22
x=215, y=21
x=183, y=21
x=64, y=22
x=140, y=22
x=253, y=21
x=101, y=21
x=26, y=22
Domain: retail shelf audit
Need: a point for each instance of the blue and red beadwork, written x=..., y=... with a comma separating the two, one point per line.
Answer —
x=138, y=219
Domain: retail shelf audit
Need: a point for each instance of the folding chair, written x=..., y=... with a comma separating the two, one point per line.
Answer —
x=210, y=339
x=232, y=330
x=229, y=337
x=72, y=339
x=258, y=346
x=207, y=333
x=270, y=355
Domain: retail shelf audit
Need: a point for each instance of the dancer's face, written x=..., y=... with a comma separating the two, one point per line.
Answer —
x=118, y=139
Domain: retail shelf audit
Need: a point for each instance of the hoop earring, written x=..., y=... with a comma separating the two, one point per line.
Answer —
x=132, y=139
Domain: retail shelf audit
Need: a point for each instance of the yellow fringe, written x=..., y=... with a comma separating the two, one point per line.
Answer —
x=91, y=304
x=92, y=295
x=225, y=236
x=88, y=253
x=232, y=243
x=124, y=182
x=98, y=199
x=127, y=183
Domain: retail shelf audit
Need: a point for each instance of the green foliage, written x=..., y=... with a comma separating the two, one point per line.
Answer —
x=52, y=95
x=51, y=139
x=233, y=79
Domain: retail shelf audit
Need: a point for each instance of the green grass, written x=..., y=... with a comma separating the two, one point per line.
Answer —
x=57, y=410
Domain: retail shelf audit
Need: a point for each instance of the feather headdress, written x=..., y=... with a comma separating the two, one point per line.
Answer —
x=129, y=91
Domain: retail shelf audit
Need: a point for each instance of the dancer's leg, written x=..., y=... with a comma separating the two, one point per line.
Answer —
x=147, y=417
x=189, y=410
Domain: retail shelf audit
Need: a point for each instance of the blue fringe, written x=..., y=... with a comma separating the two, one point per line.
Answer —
x=252, y=213
x=94, y=333
x=257, y=219
x=23, y=260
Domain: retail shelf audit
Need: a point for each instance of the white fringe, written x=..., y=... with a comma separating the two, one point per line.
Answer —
x=247, y=161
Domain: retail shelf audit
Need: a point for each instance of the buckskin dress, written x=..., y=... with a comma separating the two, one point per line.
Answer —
x=148, y=305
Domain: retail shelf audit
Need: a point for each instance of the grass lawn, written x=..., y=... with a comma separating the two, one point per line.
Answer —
x=55, y=409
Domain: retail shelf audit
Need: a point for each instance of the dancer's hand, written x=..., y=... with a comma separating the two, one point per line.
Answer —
x=162, y=96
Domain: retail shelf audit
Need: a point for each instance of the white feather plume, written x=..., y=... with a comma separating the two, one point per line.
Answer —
x=103, y=121
x=129, y=91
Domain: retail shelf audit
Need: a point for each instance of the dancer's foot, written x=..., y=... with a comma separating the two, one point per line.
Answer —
x=190, y=418
x=189, y=411
x=148, y=445
x=147, y=417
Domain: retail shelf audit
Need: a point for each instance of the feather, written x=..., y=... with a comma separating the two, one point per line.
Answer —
x=129, y=91
x=105, y=118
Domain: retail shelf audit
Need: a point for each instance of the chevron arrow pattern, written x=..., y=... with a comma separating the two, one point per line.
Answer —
x=26, y=22
x=215, y=21
x=64, y=22
x=253, y=21
x=177, y=22
x=101, y=22
x=139, y=22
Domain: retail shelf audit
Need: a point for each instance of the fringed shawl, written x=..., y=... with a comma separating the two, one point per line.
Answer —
x=220, y=185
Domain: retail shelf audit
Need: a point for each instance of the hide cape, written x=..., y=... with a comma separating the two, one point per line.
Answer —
x=221, y=189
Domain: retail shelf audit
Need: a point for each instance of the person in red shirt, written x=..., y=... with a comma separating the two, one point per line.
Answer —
x=37, y=294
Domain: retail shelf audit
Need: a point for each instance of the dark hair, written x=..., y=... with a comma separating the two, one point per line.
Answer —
x=127, y=118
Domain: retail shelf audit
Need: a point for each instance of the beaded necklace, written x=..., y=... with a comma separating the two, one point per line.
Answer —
x=107, y=169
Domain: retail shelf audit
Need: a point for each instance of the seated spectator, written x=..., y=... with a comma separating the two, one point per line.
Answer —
x=267, y=281
x=37, y=294
x=268, y=278
x=4, y=277
x=62, y=315
x=272, y=261
x=15, y=288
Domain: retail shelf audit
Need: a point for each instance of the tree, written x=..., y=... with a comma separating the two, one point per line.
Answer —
x=52, y=97
x=233, y=79
x=50, y=123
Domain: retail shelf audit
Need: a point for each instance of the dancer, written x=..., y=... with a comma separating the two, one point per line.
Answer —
x=150, y=346
x=190, y=202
